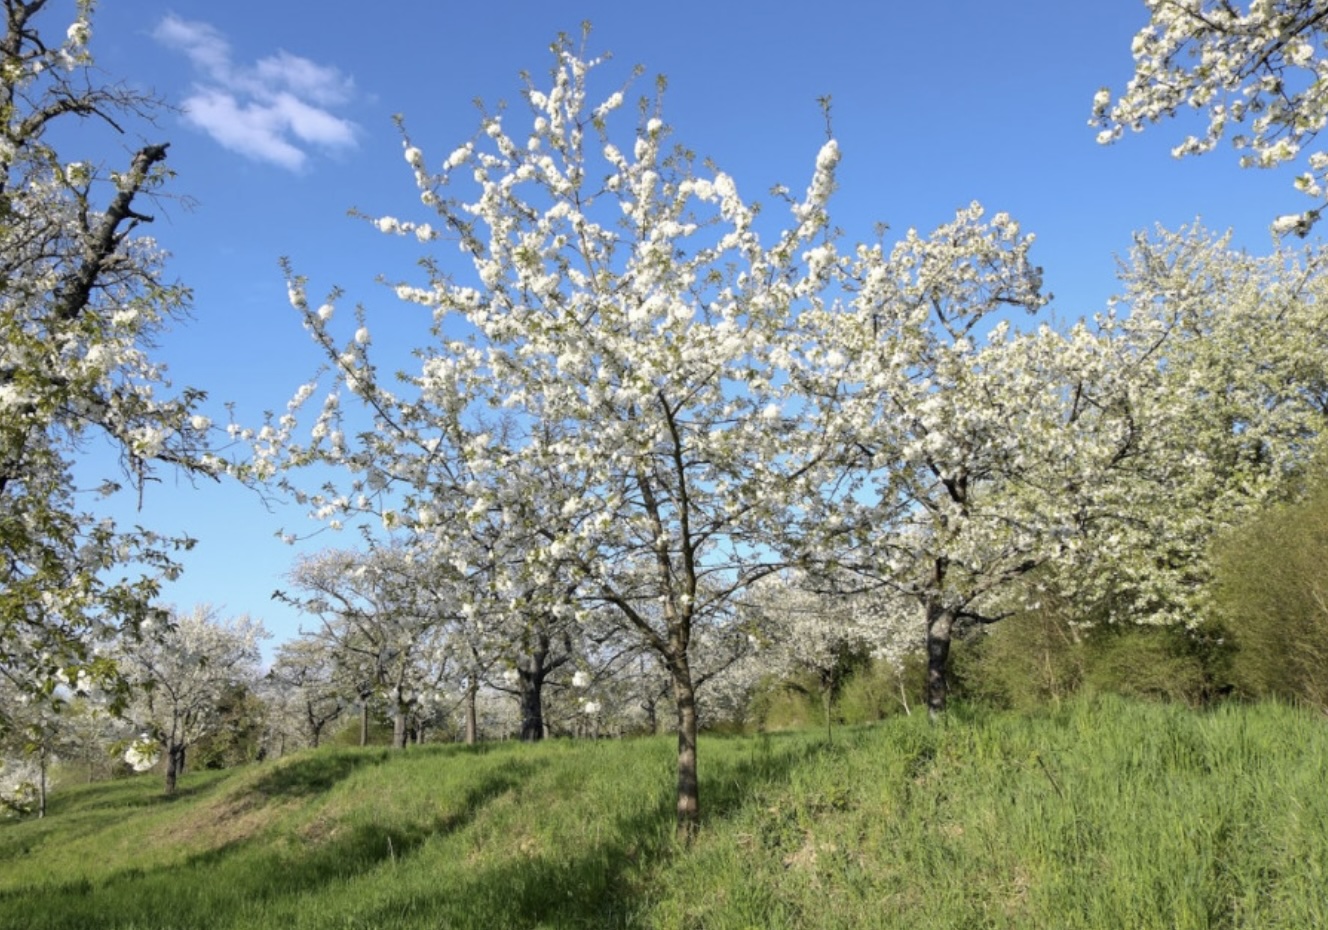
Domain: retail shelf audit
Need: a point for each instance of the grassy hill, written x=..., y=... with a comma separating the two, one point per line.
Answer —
x=1104, y=814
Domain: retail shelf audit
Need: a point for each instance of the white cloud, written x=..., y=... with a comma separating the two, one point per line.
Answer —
x=273, y=110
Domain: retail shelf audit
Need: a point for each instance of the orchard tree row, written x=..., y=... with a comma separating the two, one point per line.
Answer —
x=637, y=398
x=197, y=691
x=642, y=415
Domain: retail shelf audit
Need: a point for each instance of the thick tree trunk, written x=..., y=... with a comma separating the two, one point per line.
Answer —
x=689, y=792
x=472, y=716
x=531, y=684
x=174, y=766
x=364, y=721
x=316, y=724
x=940, y=624
x=539, y=660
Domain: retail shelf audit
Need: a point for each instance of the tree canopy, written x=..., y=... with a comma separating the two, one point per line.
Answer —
x=1255, y=75
x=83, y=293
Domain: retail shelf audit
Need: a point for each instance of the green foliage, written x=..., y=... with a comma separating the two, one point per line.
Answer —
x=1162, y=663
x=239, y=733
x=1029, y=660
x=800, y=699
x=784, y=704
x=879, y=690
x=1047, y=655
x=348, y=733
x=1272, y=596
x=1102, y=813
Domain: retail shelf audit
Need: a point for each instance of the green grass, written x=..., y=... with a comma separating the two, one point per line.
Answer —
x=1103, y=814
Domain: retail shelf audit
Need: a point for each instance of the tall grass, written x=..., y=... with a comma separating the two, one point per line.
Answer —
x=1102, y=814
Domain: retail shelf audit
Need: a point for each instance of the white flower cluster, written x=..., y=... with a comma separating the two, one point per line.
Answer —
x=1258, y=75
x=18, y=784
x=142, y=754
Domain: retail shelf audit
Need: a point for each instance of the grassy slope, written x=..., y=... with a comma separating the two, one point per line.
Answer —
x=1097, y=816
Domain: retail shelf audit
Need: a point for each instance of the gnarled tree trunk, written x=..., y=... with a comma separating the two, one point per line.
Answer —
x=531, y=687
x=940, y=626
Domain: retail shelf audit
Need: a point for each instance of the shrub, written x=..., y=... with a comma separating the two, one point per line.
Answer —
x=1271, y=591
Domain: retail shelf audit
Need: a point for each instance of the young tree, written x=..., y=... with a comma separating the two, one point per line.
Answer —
x=384, y=618
x=802, y=626
x=82, y=295
x=626, y=314
x=307, y=689
x=1223, y=359
x=182, y=674
x=969, y=450
x=1254, y=71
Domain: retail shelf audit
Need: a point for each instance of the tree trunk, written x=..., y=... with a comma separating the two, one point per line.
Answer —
x=689, y=793
x=940, y=623
x=472, y=717
x=364, y=721
x=652, y=716
x=174, y=765
x=41, y=787
x=399, y=726
x=531, y=684
x=316, y=724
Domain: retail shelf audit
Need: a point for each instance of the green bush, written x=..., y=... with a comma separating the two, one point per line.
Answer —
x=1042, y=657
x=1029, y=660
x=348, y=735
x=238, y=736
x=1161, y=663
x=780, y=704
x=878, y=690
x=1271, y=591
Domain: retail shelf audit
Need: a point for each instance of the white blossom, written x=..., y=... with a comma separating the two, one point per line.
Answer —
x=1252, y=74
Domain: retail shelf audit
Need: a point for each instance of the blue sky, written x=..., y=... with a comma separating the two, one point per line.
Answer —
x=285, y=124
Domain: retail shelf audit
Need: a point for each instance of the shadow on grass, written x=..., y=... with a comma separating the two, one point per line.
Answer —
x=602, y=885
x=132, y=793
x=609, y=883
x=315, y=772
x=605, y=883
x=219, y=887
x=767, y=763
x=89, y=810
x=102, y=806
